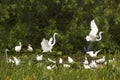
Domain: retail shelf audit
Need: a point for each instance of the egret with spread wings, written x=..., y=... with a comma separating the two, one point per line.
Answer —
x=93, y=33
x=48, y=45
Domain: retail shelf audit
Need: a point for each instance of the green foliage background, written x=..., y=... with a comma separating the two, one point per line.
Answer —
x=30, y=21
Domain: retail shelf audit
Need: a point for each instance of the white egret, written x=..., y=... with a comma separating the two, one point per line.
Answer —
x=70, y=60
x=10, y=60
x=51, y=60
x=86, y=66
x=93, y=64
x=111, y=60
x=93, y=33
x=101, y=60
x=66, y=65
x=49, y=67
x=60, y=61
x=18, y=48
x=6, y=50
x=92, y=54
x=48, y=45
x=16, y=60
x=39, y=58
x=30, y=49
x=86, y=61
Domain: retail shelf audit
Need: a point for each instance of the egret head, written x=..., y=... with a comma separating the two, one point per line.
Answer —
x=101, y=32
x=55, y=33
x=20, y=43
x=29, y=44
x=6, y=50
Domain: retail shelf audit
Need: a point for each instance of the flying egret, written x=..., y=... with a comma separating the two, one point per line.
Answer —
x=18, y=48
x=48, y=45
x=93, y=33
x=92, y=54
x=6, y=50
x=16, y=60
x=101, y=60
x=39, y=58
x=86, y=61
x=30, y=49
x=70, y=60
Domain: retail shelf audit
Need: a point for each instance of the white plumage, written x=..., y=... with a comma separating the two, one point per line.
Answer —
x=49, y=67
x=66, y=65
x=51, y=60
x=60, y=60
x=10, y=60
x=92, y=54
x=93, y=64
x=93, y=33
x=101, y=60
x=70, y=60
x=30, y=49
x=16, y=60
x=86, y=66
x=111, y=60
x=18, y=48
x=48, y=45
x=86, y=61
x=39, y=58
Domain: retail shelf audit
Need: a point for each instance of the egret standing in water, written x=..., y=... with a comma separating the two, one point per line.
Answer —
x=48, y=45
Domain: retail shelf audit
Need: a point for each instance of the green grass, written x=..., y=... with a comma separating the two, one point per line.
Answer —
x=24, y=71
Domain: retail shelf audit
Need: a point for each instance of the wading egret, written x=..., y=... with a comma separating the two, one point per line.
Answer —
x=48, y=45
x=93, y=33
x=30, y=49
x=18, y=48
x=70, y=60
x=60, y=60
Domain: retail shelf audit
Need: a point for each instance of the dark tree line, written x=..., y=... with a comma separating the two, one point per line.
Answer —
x=30, y=21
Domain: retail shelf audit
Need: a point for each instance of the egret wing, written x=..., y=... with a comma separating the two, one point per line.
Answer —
x=94, y=29
x=89, y=52
x=44, y=44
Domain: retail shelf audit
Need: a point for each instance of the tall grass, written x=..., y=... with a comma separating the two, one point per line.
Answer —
x=36, y=71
